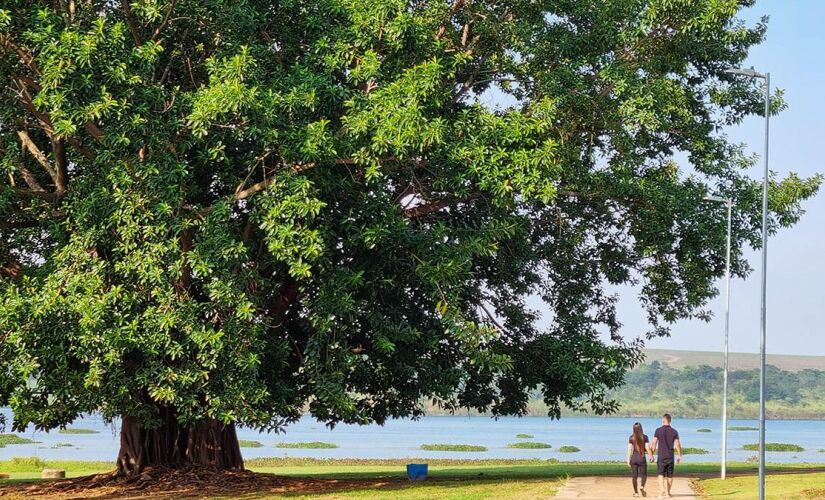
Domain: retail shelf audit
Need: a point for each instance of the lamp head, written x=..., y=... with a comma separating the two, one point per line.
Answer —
x=749, y=72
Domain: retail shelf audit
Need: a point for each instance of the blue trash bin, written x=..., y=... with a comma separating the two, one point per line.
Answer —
x=417, y=472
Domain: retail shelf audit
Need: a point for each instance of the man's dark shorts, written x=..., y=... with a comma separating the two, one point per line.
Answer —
x=666, y=468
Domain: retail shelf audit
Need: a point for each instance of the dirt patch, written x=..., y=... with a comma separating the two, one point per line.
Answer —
x=187, y=483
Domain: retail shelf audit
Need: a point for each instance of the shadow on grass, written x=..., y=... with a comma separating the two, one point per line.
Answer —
x=431, y=488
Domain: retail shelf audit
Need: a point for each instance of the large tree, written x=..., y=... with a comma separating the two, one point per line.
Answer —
x=219, y=213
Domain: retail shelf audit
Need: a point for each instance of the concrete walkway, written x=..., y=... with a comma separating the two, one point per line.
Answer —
x=600, y=487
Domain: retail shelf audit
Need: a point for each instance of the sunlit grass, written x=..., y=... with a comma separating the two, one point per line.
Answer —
x=778, y=486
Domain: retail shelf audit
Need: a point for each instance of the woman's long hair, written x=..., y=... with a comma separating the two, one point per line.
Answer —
x=639, y=438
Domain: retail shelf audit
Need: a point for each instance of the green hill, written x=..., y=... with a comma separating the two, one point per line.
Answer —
x=688, y=384
x=738, y=360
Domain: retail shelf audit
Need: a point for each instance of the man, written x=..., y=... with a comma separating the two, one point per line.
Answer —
x=667, y=439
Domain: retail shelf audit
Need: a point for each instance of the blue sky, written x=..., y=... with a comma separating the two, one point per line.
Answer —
x=794, y=53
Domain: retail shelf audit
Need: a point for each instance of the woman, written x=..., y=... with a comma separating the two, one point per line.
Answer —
x=637, y=445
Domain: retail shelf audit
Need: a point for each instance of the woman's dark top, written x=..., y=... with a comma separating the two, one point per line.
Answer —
x=636, y=457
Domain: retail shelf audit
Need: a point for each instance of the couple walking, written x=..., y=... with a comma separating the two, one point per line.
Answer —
x=666, y=438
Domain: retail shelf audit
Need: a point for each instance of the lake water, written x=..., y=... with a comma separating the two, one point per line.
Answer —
x=599, y=438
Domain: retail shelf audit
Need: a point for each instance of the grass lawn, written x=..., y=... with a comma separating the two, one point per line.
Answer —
x=464, y=479
x=462, y=489
x=778, y=486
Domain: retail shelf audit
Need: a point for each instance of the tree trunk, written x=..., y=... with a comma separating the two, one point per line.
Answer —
x=209, y=443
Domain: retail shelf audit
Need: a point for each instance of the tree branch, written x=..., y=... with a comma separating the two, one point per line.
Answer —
x=455, y=7
x=162, y=26
x=30, y=193
x=26, y=57
x=13, y=270
x=422, y=210
x=46, y=122
x=38, y=155
x=62, y=178
x=130, y=21
x=28, y=104
x=491, y=318
x=242, y=194
x=30, y=179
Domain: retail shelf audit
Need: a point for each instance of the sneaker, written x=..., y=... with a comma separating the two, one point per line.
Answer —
x=644, y=493
x=635, y=495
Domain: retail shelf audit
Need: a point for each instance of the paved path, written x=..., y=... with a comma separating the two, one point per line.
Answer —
x=600, y=487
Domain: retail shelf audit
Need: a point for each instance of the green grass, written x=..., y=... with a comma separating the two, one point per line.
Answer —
x=439, y=467
x=472, y=468
x=779, y=486
x=524, y=436
x=703, y=430
x=568, y=449
x=739, y=428
x=774, y=447
x=529, y=445
x=462, y=479
x=311, y=445
x=694, y=451
x=30, y=467
x=452, y=447
x=77, y=430
x=247, y=443
x=6, y=439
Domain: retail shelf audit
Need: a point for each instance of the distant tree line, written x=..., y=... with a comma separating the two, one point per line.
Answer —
x=696, y=391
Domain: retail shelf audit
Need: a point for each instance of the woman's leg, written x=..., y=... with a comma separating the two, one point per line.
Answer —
x=635, y=471
x=643, y=474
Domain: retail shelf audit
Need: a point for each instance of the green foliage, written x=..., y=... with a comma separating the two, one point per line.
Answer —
x=695, y=391
x=568, y=449
x=529, y=445
x=236, y=211
x=313, y=445
x=774, y=447
x=6, y=439
x=27, y=463
x=524, y=436
x=694, y=451
x=246, y=443
x=36, y=464
x=75, y=430
x=742, y=428
x=703, y=430
x=451, y=447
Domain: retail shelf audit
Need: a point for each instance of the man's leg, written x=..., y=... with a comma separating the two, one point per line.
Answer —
x=669, y=483
x=661, y=485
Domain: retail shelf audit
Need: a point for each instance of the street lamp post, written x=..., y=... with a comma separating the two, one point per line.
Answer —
x=729, y=203
x=751, y=73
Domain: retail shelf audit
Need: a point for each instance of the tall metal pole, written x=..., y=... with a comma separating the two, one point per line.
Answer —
x=727, y=332
x=729, y=204
x=763, y=317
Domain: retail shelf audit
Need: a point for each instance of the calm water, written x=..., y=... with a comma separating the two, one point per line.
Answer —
x=598, y=438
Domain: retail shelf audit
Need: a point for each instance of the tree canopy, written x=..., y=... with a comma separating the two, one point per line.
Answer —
x=238, y=211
